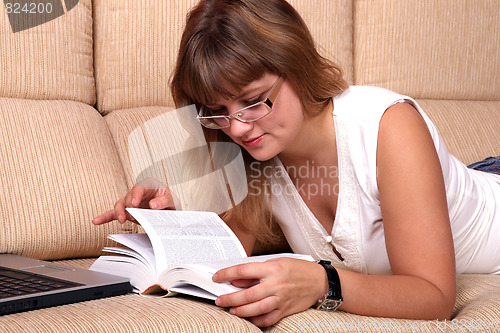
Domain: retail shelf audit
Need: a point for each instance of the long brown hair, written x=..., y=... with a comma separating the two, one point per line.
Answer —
x=231, y=43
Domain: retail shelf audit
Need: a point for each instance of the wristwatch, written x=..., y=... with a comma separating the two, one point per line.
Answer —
x=332, y=300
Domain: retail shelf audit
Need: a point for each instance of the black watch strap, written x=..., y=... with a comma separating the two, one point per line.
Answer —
x=332, y=300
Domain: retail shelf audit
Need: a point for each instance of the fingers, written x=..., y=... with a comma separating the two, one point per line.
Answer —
x=104, y=218
x=244, y=298
x=135, y=197
x=267, y=319
x=163, y=200
x=120, y=213
x=263, y=312
x=154, y=196
x=250, y=271
x=251, y=301
x=285, y=286
x=243, y=283
x=149, y=193
x=263, y=306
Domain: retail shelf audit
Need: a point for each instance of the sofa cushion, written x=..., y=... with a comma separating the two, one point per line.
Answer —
x=330, y=23
x=122, y=123
x=136, y=44
x=429, y=49
x=53, y=60
x=469, y=128
x=129, y=313
x=59, y=169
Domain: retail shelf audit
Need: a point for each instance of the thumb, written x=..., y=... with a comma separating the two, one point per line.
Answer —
x=165, y=200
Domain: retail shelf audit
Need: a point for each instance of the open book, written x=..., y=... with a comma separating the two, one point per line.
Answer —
x=179, y=253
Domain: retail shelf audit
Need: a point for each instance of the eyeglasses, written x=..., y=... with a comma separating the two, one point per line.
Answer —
x=253, y=112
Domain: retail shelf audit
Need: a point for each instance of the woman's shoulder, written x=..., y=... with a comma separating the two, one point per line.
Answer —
x=368, y=92
x=365, y=102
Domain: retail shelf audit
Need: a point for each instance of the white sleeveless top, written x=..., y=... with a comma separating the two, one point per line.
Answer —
x=358, y=230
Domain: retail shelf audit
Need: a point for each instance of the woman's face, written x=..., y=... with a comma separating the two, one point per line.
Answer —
x=273, y=134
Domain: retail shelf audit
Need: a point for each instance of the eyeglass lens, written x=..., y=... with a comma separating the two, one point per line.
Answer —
x=248, y=114
x=252, y=113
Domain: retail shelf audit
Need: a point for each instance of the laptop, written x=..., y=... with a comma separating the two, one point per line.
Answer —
x=29, y=284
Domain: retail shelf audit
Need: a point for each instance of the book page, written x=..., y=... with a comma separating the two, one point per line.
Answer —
x=190, y=280
x=189, y=289
x=186, y=237
x=138, y=243
x=214, y=266
x=136, y=270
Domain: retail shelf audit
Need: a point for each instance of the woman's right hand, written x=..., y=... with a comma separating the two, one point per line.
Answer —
x=149, y=193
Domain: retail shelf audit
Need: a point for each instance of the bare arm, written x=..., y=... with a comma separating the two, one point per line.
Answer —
x=416, y=224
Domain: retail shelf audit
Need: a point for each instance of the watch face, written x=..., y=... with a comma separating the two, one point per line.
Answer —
x=330, y=305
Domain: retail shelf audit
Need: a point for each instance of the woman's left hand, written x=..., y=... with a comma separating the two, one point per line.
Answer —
x=285, y=286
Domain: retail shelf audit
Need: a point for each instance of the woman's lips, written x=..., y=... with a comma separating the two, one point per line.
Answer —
x=253, y=142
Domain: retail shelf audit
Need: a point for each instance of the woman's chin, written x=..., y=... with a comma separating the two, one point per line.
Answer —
x=261, y=155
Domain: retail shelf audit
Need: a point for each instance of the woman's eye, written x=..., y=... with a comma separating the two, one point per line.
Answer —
x=218, y=112
x=254, y=101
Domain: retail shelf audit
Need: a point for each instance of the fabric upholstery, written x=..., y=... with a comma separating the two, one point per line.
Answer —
x=59, y=170
x=121, y=123
x=330, y=29
x=129, y=313
x=444, y=49
x=51, y=61
x=132, y=72
x=469, y=128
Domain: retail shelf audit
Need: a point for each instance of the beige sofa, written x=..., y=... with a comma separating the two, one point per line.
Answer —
x=72, y=89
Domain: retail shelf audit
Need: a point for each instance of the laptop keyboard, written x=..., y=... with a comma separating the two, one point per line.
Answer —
x=17, y=283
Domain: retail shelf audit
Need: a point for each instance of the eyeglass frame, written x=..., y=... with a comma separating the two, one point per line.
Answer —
x=268, y=101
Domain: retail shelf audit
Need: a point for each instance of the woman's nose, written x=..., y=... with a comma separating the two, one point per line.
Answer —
x=238, y=128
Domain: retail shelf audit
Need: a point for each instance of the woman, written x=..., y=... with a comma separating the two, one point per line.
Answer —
x=396, y=214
